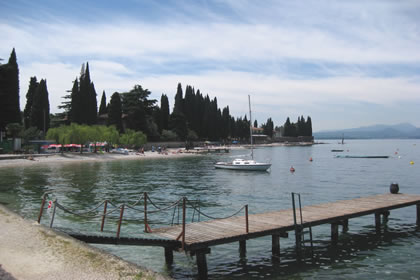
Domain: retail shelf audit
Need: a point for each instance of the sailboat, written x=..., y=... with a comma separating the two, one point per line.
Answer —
x=245, y=164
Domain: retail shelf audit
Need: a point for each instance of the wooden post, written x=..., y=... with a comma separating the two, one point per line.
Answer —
x=169, y=256
x=201, y=265
x=103, y=216
x=334, y=233
x=242, y=248
x=298, y=236
x=275, y=245
x=41, y=210
x=184, y=202
x=385, y=216
x=378, y=222
x=246, y=219
x=418, y=214
x=145, y=212
x=345, y=224
x=120, y=221
x=53, y=214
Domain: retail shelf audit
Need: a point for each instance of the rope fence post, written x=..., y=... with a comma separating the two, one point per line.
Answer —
x=145, y=212
x=246, y=219
x=53, y=214
x=103, y=216
x=41, y=210
x=120, y=221
x=184, y=202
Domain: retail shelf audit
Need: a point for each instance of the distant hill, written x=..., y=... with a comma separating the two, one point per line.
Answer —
x=398, y=131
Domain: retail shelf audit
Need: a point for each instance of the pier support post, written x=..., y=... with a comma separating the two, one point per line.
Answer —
x=345, y=224
x=169, y=256
x=418, y=214
x=275, y=247
x=378, y=222
x=242, y=248
x=201, y=262
x=385, y=216
x=334, y=233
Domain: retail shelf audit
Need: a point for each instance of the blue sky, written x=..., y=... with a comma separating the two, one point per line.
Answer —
x=344, y=63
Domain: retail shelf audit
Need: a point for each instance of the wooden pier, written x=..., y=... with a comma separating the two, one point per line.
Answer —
x=197, y=238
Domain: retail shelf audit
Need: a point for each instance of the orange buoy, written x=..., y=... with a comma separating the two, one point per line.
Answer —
x=292, y=169
x=396, y=153
x=310, y=159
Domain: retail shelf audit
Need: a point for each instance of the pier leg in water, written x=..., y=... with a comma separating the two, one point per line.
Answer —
x=334, y=233
x=242, y=248
x=418, y=214
x=345, y=224
x=202, y=262
x=378, y=222
x=169, y=256
x=275, y=247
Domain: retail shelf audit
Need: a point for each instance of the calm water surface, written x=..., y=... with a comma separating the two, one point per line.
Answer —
x=359, y=254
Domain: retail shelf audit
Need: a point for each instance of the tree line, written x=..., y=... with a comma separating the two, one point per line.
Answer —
x=195, y=116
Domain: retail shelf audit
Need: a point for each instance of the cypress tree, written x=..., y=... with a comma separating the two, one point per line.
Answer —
x=40, y=109
x=76, y=104
x=164, y=111
x=102, y=107
x=33, y=84
x=9, y=92
x=178, y=105
x=309, y=126
x=115, y=112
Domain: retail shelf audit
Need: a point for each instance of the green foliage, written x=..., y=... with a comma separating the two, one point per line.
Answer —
x=138, y=108
x=168, y=135
x=301, y=128
x=32, y=133
x=164, y=112
x=133, y=139
x=102, y=107
x=33, y=84
x=9, y=92
x=40, y=109
x=83, y=99
x=14, y=129
x=81, y=134
x=115, y=111
x=268, y=127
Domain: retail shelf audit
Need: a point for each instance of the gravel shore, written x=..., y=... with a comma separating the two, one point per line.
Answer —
x=33, y=252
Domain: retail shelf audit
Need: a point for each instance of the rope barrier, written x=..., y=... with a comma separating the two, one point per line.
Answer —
x=214, y=218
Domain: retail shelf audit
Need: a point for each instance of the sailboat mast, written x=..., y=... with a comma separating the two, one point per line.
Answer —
x=250, y=126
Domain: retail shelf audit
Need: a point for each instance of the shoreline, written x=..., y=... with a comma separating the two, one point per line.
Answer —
x=65, y=158
x=32, y=251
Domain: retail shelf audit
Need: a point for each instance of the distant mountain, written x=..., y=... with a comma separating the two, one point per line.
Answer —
x=398, y=131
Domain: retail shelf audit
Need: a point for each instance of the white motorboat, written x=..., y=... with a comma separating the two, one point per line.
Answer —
x=245, y=164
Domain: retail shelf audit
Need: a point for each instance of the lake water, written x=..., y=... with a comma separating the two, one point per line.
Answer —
x=360, y=253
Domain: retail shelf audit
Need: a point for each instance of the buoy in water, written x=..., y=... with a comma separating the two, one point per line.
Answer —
x=310, y=159
x=396, y=153
x=411, y=162
x=292, y=169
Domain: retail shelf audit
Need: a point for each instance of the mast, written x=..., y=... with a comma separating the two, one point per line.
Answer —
x=250, y=126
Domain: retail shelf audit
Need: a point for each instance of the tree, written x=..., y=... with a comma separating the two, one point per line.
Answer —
x=164, y=112
x=102, y=107
x=115, y=112
x=40, y=109
x=268, y=127
x=309, y=126
x=33, y=84
x=133, y=139
x=178, y=105
x=83, y=99
x=9, y=92
x=139, y=108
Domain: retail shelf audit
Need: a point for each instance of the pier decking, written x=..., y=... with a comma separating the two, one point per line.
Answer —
x=196, y=238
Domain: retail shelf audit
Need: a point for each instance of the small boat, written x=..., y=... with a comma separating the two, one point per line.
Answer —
x=337, y=151
x=348, y=156
x=245, y=164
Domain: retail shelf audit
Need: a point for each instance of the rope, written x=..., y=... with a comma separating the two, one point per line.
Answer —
x=215, y=218
x=83, y=214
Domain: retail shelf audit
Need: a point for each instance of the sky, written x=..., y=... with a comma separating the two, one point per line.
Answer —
x=344, y=63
